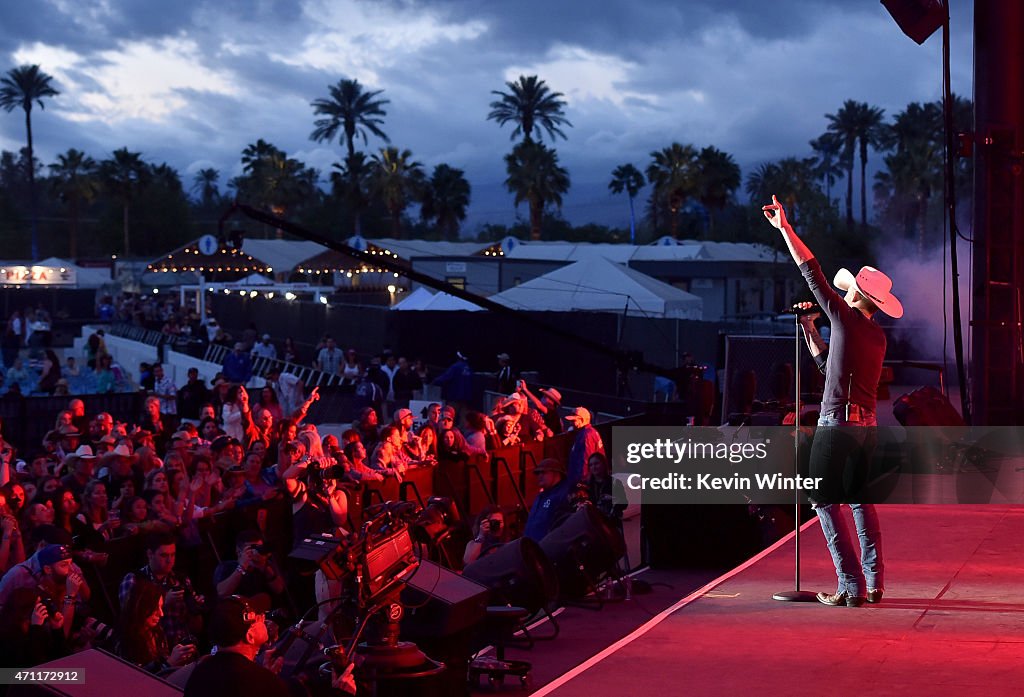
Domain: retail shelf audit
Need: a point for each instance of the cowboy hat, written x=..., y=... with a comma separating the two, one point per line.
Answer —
x=873, y=285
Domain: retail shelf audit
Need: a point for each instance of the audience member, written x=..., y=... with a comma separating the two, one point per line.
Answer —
x=551, y=505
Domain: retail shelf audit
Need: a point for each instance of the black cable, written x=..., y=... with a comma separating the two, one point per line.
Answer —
x=621, y=357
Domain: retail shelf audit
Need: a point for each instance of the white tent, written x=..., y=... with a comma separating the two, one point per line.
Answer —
x=444, y=301
x=414, y=300
x=596, y=284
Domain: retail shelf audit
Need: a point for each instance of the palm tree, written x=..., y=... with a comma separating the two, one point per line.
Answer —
x=829, y=167
x=718, y=177
x=535, y=176
x=857, y=124
x=870, y=135
x=446, y=197
x=204, y=185
x=916, y=167
x=350, y=182
x=21, y=87
x=532, y=106
x=396, y=179
x=844, y=125
x=673, y=173
x=792, y=180
x=350, y=110
x=627, y=178
x=74, y=181
x=124, y=175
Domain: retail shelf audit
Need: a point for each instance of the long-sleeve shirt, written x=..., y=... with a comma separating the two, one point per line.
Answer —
x=856, y=347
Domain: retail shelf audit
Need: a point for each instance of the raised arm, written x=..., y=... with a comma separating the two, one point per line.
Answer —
x=776, y=215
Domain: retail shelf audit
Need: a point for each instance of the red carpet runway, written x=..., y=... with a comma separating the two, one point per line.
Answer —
x=951, y=622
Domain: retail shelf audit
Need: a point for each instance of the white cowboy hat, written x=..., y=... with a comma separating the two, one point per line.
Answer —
x=873, y=285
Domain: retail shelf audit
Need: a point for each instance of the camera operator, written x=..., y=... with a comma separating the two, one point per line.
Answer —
x=490, y=534
x=239, y=668
x=254, y=575
x=183, y=607
x=319, y=504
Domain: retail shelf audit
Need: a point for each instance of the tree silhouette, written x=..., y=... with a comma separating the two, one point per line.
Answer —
x=531, y=106
x=74, y=181
x=445, y=198
x=124, y=175
x=858, y=125
x=22, y=87
x=673, y=173
x=535, y=176
x=351, y=111
x=718, y=177
x=627, y=178
x=397, y=180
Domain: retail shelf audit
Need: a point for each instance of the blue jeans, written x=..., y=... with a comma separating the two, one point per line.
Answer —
x=854, y=578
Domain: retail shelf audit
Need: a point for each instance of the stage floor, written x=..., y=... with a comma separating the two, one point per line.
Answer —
x=951, y=622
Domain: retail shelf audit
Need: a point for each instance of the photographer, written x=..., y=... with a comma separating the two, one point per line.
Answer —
x=319, y=504
x=490, y=534
x=253, y=574
x=183, y=607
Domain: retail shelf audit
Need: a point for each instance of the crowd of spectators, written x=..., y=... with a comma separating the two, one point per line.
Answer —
x=198, y=451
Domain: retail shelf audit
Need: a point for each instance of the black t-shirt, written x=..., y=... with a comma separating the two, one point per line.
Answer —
x=253, y=583
x=228, y=674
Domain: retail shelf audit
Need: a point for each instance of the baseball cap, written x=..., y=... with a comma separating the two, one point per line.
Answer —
x=402, y=413
x=577, y=414
x=549, y=464
x=51, y=554
x=503, y=357
x=266, y=337
x=448, y=411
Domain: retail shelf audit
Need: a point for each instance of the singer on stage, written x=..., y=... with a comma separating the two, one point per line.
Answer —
x=853, y=366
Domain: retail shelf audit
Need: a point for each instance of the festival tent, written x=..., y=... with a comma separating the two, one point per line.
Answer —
x=595, y=284
x=414, y=300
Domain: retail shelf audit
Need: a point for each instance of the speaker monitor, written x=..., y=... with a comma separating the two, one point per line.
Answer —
x=518, y=573
x=440, y=602
x=586, y=539
x=104, y=674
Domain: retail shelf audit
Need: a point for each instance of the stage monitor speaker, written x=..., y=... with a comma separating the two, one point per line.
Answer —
x=926, y=406
x=439, y=602
x=104, y=674
x=582, y=548
x=518, y=573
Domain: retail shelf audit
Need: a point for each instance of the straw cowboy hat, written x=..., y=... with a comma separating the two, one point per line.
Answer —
x=873, y=285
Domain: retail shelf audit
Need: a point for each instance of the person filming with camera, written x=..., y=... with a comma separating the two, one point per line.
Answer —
x=253, y=575
x=490, y=534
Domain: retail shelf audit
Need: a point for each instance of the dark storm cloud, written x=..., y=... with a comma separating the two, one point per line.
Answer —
x=748, y=76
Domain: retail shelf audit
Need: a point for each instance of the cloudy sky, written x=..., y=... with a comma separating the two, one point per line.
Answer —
x=192, y=82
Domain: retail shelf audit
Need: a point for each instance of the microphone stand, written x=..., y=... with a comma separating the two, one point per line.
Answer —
x=796, y=595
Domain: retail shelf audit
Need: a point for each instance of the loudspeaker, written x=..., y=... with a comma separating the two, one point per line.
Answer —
x=926, y=406
x=104, y=675
x=586, y=539
x=439, y=602
x=917, y=18
x=518, y=573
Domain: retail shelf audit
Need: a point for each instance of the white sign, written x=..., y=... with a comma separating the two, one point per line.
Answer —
x=38, y=275
x=208, y=245
x=455, y=267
